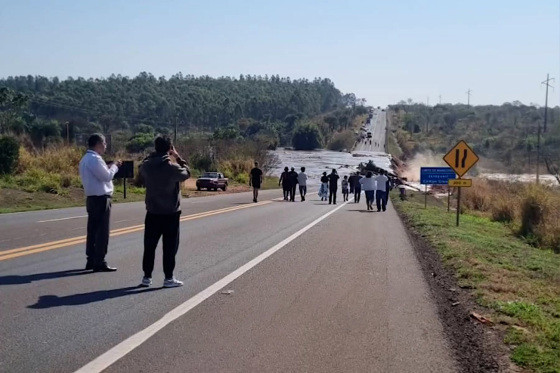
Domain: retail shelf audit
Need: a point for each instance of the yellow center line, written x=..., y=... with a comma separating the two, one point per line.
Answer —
x=27, y=250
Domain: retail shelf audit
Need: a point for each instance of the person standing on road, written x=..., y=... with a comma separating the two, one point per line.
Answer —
x=255, y=180
x=97, y=179
x=293, y=175
x=302, y=181
x=368, y=185
x=357, y=187
x=333, y=186
x=324, y=189
x=380, y=198
x=162, y=179
x=285, y=181
x=344, y=185
x=351, y=183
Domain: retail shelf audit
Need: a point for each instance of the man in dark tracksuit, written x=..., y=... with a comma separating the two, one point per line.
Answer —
x=163, y=204
x=285, y=181
x=293, y=176
x=333, y=186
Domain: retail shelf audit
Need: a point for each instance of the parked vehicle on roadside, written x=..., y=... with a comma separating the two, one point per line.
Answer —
x=212, y=181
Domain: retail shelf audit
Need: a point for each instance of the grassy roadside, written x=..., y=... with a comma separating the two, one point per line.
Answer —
x=517, y=283
x=16, y=200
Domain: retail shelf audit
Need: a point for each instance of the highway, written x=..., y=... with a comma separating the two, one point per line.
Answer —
x=272, y=286
x=377, y=127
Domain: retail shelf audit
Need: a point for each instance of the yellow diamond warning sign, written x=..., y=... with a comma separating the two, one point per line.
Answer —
x=461, y=158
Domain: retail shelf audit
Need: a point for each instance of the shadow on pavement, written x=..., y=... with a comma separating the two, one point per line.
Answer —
x=49, y=301
x=27, y=279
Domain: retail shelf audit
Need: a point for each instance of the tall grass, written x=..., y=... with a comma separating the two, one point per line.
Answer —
x=51, y=170
x=533, y=211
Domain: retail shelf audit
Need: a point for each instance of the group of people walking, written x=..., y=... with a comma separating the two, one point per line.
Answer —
x=290, y=179
x=376, y=188
x=162, y=177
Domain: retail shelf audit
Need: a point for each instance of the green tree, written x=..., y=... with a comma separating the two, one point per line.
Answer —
x=306, y=137
x=9, y=154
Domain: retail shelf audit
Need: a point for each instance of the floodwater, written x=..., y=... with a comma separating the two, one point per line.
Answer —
x=523, y=178
x=318, y=161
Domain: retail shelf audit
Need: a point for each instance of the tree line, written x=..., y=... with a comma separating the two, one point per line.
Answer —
x=268, y=107
x=507, y=133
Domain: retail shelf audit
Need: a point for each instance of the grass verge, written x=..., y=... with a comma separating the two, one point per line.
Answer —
x=518, y=284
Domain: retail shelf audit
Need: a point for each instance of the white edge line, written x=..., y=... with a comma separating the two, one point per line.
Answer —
x=72, y=217
x=120, y=350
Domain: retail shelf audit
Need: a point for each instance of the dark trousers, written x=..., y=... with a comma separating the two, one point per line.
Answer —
x=99, y=214
x=155, y=227
x=332, y=195
x=286, y=190
x=357, y=193
x=302, y=190
x=380, y=200
x=370, y=196
x=293, y=192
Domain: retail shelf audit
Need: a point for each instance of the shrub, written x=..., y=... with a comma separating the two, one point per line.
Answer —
x=504, y=210
x=9, y=154
x=478, y=198
x=533, y=208
x=306, y=137
x=342, y=140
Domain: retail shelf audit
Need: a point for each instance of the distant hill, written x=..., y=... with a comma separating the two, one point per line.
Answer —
x=506, y=133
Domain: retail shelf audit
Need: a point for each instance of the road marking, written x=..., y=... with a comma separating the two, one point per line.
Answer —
x=72, y=217
x=38, y=248
x=117, y=352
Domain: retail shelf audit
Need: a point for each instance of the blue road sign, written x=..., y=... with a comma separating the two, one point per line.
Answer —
x=436, y=175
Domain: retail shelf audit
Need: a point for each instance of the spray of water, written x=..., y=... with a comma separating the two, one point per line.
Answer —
x=426, y=159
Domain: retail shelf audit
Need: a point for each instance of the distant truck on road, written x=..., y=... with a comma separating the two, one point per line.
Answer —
x=212, y=180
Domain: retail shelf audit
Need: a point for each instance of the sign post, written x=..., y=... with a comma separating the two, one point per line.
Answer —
x=126, y=171
x=435, y=175
x=461, y=158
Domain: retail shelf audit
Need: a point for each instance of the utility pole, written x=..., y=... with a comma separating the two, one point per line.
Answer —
x=469, y=97
x=538, y=150
x=440, y=99
x=546, y=82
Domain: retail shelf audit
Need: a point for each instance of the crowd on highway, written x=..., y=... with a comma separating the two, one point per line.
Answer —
x=376, y=188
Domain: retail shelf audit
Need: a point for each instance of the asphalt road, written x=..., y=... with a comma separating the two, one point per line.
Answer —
x=269, y=287
x=377, y=128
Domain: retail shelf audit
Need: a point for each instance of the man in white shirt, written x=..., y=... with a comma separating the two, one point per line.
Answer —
x=97, y=179
x=302, y=181
x=380, y=194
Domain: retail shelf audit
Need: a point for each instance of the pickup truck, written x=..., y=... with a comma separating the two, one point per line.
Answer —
x=212, y=180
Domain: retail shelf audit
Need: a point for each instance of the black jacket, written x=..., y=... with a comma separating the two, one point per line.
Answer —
x=162, y=179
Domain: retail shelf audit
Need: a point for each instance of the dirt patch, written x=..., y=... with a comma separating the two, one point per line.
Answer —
x=478, y=347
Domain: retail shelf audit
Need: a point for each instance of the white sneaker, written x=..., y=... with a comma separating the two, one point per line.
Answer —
x=146, y=282
x=172, y=283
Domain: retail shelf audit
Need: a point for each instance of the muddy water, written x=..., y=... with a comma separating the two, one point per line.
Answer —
x=318, y=161
x=523, y=178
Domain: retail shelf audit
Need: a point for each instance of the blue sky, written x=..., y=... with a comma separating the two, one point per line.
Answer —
x=383, y=51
